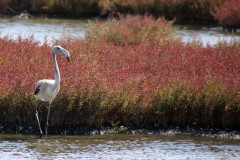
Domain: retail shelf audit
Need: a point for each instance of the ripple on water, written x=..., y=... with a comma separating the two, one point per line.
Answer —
x=119, y=147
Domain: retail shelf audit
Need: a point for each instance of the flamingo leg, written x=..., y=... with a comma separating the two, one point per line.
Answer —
x=36, y=113
x=46, y=126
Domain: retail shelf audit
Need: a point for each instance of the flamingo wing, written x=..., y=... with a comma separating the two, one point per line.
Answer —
x=37, y=89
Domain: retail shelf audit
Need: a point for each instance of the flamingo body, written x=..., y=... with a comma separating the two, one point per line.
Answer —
x=47, y=89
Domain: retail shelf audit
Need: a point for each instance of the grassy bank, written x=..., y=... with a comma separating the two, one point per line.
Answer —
x=154, y=83
x=200, y=11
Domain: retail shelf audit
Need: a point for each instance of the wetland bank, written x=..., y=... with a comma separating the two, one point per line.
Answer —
x=121, y=77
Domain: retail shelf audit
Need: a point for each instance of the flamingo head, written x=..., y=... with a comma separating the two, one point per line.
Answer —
x=60, y=50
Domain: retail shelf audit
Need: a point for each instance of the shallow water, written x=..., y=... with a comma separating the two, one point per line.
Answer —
x=205, y=34
x=120, y=147
x=43, y=30
x=49, y=30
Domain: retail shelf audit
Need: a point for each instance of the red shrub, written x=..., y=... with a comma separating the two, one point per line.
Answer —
x=131, y=30
x=141, y=68
x=103, y=77
x=228, y=13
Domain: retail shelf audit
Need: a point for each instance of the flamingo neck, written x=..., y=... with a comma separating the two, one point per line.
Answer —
x=56, y=69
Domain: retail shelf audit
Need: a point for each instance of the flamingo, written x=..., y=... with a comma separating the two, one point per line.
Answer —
x=47, y=89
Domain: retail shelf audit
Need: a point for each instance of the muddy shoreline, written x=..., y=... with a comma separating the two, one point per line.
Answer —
x=168, y=131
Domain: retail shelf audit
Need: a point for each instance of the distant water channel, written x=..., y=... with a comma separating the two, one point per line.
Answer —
x=49, y=30
x=118, y=147
x=43, y=30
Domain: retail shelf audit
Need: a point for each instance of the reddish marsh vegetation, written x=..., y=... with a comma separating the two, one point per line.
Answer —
x=147, y=84
x=229, y=14
x=143, y=85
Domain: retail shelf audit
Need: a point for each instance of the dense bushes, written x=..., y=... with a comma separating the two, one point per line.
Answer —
x=178, y=9
x=51, y=7
x=229, y=14
x=224, y=11
x=147, y=84
x=131, y=30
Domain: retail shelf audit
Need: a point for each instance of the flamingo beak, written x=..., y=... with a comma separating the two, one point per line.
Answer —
x=68, y=58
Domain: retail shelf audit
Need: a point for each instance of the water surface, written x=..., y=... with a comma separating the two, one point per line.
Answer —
x=120, y=147
x=49, y=30
x=205, y=34
x=43, y=30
